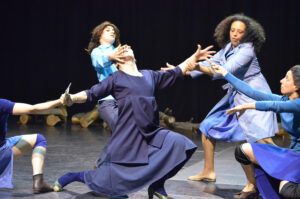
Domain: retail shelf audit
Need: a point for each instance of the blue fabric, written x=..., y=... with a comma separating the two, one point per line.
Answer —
x=221, y=126
x=12, y=141
x=102, y=64
x=255, y=125
x=281, y=163
x=114, y=179
x=289, y=109
x=6, y=167
x=108, y=112
x=40, y=141
x=71, y=177
x=295, y=144
x=268, y=187
x=6, y=108
x=138, y=116
x=6, y=154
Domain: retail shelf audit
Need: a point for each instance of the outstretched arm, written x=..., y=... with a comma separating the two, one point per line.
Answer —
x=22, y=108
x=191, y=63
x=69, y=99
x=244, y=87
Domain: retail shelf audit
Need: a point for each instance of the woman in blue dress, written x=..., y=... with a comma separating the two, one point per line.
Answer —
x=240, y=38
x=140, y=152
x=276, y=169
x=17, y=146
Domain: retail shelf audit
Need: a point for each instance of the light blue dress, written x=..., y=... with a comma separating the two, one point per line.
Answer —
x=252, y=125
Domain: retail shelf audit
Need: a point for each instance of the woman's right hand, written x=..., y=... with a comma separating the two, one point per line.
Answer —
x=66, y=99
x=218, y=69
x=117, y=54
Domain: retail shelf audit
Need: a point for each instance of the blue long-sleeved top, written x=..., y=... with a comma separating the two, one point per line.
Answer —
x=289, y=109
x=102, y=64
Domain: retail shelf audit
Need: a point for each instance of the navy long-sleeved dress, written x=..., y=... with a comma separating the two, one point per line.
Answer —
x=139, y=151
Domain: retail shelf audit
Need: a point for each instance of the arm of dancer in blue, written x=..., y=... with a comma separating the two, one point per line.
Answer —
x=265, y=101
x=234, y=61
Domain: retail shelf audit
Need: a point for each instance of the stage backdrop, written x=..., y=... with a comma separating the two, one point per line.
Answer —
x=42, y=44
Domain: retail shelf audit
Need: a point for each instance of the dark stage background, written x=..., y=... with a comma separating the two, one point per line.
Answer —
x=42, y=44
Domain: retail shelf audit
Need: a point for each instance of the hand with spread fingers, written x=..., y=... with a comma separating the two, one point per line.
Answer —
x=192, y=61
x=201, y=55
x=117, y=54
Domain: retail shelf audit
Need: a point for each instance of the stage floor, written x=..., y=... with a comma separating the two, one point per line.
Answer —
x=72, y=148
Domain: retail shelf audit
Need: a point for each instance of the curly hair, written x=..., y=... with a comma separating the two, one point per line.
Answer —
x=254, y=31
x=296, y=76
x=97, y=32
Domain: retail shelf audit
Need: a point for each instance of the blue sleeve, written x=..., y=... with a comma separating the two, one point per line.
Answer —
x=100, y=58
x=240, y=59
x=6, y=106
x=100, y=90
x=216, y=59
x=290, y=106
x=166, y=79
x=249, y=91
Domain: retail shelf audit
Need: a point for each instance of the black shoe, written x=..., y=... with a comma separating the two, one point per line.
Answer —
x=39, y=186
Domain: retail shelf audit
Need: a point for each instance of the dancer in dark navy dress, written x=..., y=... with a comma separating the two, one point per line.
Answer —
x=140, y=152
x=277, y=170
x=19, y=145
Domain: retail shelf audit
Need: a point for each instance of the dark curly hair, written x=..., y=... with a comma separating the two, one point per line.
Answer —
x=254, y=31
x=296, y=76
x=97, y=32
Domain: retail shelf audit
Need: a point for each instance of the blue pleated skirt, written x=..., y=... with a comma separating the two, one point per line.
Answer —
x=113, y=179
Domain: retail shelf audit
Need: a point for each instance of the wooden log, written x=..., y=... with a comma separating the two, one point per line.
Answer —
x=76, y=118
x=89, y=117
x=168, y=111
x=187, y=128
x=24, y=119
x=168, y=120
x=105, y=126
x=52, y=120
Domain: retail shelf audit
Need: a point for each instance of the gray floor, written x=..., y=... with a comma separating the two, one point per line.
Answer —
x=72, y=148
